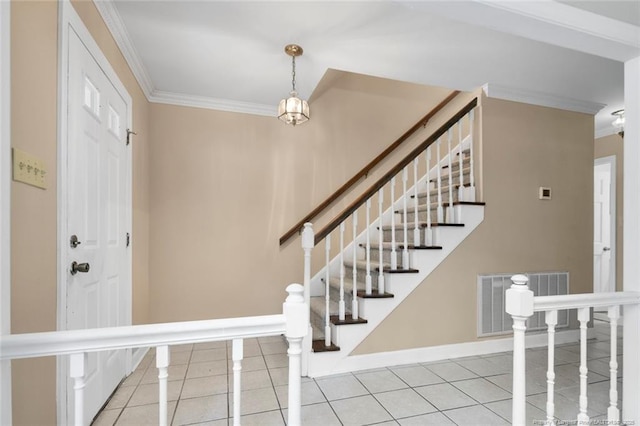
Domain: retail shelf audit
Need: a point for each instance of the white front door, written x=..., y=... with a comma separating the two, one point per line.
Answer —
x=98, y=288
x=603, y=268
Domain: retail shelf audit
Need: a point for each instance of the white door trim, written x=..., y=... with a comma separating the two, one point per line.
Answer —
x=70, y=21
x=5, y=203
x=611, y=160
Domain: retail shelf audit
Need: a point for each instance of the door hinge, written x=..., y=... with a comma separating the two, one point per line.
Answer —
x=128, y=239
x=129, y=133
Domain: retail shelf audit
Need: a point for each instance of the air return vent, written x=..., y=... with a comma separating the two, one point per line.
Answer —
x=492, y=318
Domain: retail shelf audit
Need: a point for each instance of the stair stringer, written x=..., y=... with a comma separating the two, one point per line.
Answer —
x=348, y=337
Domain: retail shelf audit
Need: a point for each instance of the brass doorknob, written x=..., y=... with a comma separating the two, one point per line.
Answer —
x=79, y=267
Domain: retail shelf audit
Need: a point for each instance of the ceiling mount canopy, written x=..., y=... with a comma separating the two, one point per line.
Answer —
x=293, y=110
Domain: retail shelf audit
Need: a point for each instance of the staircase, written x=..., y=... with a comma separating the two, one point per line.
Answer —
x=391, y=256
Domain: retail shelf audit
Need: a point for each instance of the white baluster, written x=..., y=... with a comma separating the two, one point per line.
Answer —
x=367, y=287
x=308, y=241
x=341, y=307
x=162, y=364
x=551, y=318
x=77, y=367
x=354, y=299
x=450, y=217
x=440, y=211
x=380, y=242
x=237, y=354
x=519, y=304
x=327, y=327
x=394, y=257
x=461, y=190
x=472, y=182
x=583, y=317
x=428, y=236
x=405, y=230
x=416, y=228
x=613, y=413
x=295, y=312
x=460, y=162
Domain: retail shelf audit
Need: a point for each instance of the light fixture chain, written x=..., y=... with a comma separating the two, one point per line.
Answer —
x=293, y=73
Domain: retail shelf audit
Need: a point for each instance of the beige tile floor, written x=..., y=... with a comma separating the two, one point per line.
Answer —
x=465, y=391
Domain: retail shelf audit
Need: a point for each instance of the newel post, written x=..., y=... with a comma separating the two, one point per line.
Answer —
x=296, y=313
x=308, y=242
x=519, y=304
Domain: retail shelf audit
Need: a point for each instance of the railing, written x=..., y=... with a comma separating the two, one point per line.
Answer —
x=366, y=169
x=293, y=323
x=521, y=304
x=421, y=193
x=401, y=167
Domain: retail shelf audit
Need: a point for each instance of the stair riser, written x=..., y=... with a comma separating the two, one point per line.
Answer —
x=386, y=235
x=317, y=320
x=445, y=197
x=422, y=198
x=444, y=180
x=422, y=216
x=362, y=276
x=334, y=294
x=455, y=165
x=386, y=255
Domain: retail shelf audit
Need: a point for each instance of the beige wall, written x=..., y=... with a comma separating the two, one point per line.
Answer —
x=34, y=79
x=524, y=147
x=226, y=186
x=605, y=147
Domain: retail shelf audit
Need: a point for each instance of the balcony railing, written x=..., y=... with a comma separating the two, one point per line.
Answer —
x=521, y=304
x=293, y=323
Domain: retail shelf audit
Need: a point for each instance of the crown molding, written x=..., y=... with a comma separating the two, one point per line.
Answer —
x=118, y=30
x=607, y=131
x=195, y=101
x=576, y=28
x=533, y=97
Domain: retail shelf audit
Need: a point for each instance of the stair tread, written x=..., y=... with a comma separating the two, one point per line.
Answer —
x=347, y=320
x=318, y=305
x=389, y=245
x=360, y=291
x=421, y=224
x=434, y=206
x=375, y=295
x=319, y=346
x=456, y=163
x=348, y=284
x=386, y=267
x=444, y=190
x=454, y=174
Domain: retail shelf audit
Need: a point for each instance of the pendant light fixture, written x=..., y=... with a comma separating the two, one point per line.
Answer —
x=293, y=110
x=618, y=123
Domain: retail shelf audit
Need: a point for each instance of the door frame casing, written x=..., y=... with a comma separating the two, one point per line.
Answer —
x=5, y=203
x=611, y=160
x=69, y=20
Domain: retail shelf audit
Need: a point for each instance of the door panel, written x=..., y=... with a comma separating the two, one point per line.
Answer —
x=602, y=247
x=97, y=205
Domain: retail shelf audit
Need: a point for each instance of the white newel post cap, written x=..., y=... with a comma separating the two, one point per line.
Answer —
x=519, y=299
x=308, y=237
x=296, y=312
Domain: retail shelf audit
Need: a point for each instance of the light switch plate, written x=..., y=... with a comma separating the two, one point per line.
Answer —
x=544, y=193
x=28, y=169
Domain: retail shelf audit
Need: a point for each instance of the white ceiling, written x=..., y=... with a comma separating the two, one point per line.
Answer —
x=229, y=54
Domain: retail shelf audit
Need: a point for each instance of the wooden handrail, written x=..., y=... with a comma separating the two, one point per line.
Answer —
x=394, y=171
x=366, y=169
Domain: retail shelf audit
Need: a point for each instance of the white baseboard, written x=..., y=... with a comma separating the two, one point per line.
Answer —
x=137, y=355
x=444, y=352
